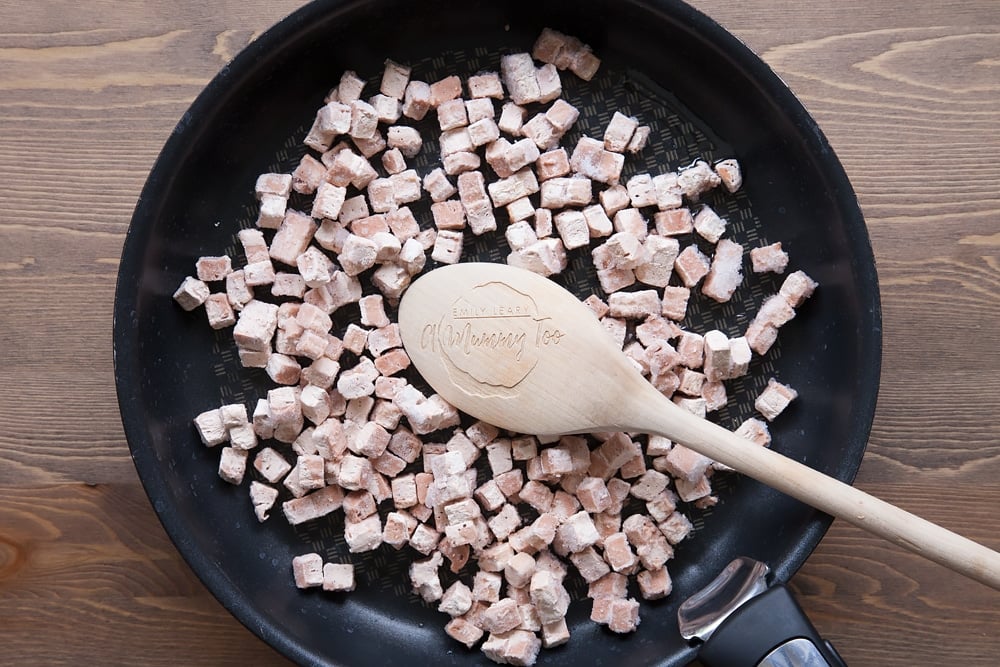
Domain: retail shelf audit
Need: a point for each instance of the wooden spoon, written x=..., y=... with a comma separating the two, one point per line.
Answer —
x=518, y=351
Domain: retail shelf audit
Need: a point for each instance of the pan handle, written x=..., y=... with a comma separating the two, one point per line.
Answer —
x=770, y=630
x=743, y=621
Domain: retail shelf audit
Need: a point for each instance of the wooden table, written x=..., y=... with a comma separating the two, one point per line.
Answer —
x=909, y=96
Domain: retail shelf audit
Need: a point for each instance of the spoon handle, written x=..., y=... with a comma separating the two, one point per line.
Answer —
x=661, y=416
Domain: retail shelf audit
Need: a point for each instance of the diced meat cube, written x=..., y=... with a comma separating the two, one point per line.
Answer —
x=709, y=225
x=572, y=227
x=552, y=164
x=563, y=192
x=654, y=584
x=272, y=211
x=364, y=120
x=774, y=399
x=292, y=238
x=416, y=100
x=404, y=138
x=639, y=139
x=506, y=190
x=676, y=527
x=641, y=191
x=697, y=179
x=191, y=293
x=797, y=288
x=575, y=534
x=448, y=214
x=425, y=579
x=219, y=311
x=463, y=631
x=308, y=570
x=631, y=221
x=483, y=131
x=674, y=222
x=755, y=431
x=725, y=273
x=338, y=577
x=591, y=160
x=472, y=194
x=233, y=465
x=542, y=132
x=519, y=78
x=669, y=195
x=649, y=485
x=691, y=265
x=393, y=161
x=636, y=305
x=619, y=132
x=457, y=140
x=452, y=114
x=657, y=263
x=485, y=85
x=730, y=174
x=518, y=647
x=447, y=247
x=211, y=269
x=769, y=258
x=511, y=119
x=444, y=90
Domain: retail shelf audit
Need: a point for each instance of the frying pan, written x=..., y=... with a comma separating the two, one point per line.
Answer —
x=705, y=95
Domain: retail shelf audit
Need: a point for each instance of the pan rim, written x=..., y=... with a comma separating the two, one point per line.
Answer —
x=159, y=181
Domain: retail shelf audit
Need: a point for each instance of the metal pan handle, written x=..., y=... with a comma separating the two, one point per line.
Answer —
x=744, y=622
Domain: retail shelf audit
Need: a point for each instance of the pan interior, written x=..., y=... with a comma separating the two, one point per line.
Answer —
x=703, y=94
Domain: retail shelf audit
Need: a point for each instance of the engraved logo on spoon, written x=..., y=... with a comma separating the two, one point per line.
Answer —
x=492, y=333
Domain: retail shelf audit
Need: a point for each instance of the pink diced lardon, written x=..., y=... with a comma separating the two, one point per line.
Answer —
x=511, y=119
x=272, y=211
x=395, y=78
x=393, y=161
x=448, y=214
x=387, y=110
x=452, y=114
x=639, y=139
x=480, y=108
x=619, y=132
x=641, y=191
x=416, y=100
x=718, y=357
x=674, y=222
x=209, y=269
x=308, y=570
x=404, y=138
x=191, y=293
x=726, y=273
x=691, y=265
x=709, y=225
x=552, y=164
x=797, y=288
x=445, y=89
x=563, y=192
x=448, y=247
x=631, y=221
x=292, y=238
x=519, y=78
x=590, y=159
x=730, y=174
x=774, y=399
x=769, y=258
x=549, y=84
x=657, y=263
x=541, y=131
x=436, y=183
x=219, y=311
x=485, y=85
x=697, y=179
x=755, y=431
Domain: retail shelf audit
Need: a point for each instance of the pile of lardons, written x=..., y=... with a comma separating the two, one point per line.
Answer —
x=344, y=430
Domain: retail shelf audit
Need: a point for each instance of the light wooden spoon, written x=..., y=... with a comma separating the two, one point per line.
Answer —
x=518, y=351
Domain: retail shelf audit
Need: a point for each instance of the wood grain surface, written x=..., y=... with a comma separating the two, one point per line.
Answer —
x=908, y=94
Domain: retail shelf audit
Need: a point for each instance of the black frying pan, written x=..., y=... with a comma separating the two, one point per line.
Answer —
x=704, y=93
